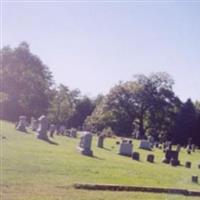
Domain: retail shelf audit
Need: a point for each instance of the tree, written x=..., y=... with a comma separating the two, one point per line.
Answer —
x=185, y=123
x=26, y=81
x=61, y=106
x=83, y=108
x=146, y=104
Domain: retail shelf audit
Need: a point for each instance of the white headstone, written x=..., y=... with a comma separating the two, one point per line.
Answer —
x=85, y=144
x=43, y=128
x=21, y=126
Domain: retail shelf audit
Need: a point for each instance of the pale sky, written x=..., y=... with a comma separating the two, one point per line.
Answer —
x=92, y=45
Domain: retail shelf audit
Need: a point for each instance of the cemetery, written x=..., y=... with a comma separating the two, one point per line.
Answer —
x=66, y=169
x=100, y=100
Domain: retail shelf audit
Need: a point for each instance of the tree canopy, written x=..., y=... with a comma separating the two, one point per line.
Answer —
x=145, y=105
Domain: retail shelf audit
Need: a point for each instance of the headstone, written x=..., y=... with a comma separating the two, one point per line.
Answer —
x=21, y=126
x=195, y=179
x=189, y=145
x=188, y=164
x=73, y=133
x=68, y=132
x=145, y=144
x=188, y=150
x=136, y=156
x=43, y=128
x=126, y=148
x=151, y=140
x=150, y=158
x=168, y=145
x=178, y=147
x=100, y=141
x=52, y=130
x=171, y=157
x=117, y=142
x=174, y=162
x=34, y=124
x=156, y=144
x=193, y=147
x=85, y=144
x=62, y=130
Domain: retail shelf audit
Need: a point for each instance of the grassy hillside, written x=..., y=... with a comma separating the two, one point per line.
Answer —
x=33, y=169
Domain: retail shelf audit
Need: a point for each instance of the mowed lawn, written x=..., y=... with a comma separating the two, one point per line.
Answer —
x=33, y=169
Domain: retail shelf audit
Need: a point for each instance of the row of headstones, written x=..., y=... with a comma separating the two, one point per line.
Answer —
x=54, y=130
x=126, y=149
x=42, y=127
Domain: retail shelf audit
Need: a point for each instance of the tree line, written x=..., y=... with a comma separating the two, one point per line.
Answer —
x=145, y=105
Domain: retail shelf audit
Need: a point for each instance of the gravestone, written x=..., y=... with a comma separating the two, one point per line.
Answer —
x=189, y=145
x=188, y=164
x=21, y=125
x=193, y=147
x=126, y=148
x=43, y=128
x=178, y=147
x=73, y=133
x=136, y=156
x=189, y=149
x=195, y=179
x=171, y=157
x=85, y=144
x=151, y=140
x=100, y=141
x=156, y=144
x=34, y=124
x=150, y=158
x=52, y=130
x=145, y=144
x=62, y=130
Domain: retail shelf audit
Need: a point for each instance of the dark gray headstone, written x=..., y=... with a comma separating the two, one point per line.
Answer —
x=100, y=141
x=171, y=157
x=195, y=179
x=136, y=156
x=188, y=164
x=150, y=158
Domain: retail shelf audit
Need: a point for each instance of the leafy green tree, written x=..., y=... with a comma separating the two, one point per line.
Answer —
x=25, y=80
x=185, y=123
x=61, y=106
x=83, y=108
x=146, y=104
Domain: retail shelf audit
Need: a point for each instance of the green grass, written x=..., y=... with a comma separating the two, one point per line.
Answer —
x=33, y=169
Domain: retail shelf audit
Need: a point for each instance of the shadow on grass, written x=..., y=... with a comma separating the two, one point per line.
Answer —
x=104, y=148
x=49, y=141
x=95, y=157
x=98, y=158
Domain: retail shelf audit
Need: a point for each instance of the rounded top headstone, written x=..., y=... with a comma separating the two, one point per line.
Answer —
x=42, y=118
x=22, y=117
